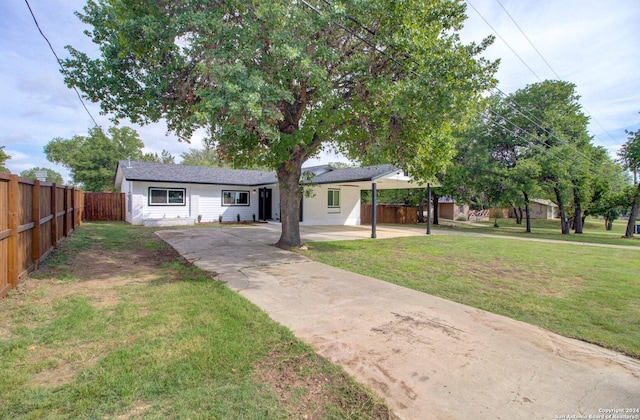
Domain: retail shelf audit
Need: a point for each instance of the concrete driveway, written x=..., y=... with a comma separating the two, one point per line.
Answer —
x=428, y=357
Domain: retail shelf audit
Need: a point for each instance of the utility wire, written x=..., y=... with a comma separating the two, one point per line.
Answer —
x=547, y=63
x=510, y=102
x=537, y=123
x=528, y=40
x=532, y=139
x=361, y=38
x=59, y=62
x=503, y=40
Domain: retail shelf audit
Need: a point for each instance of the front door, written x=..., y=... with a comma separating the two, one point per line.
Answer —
x=264, y=204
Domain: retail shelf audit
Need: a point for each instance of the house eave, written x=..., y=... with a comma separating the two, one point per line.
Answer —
x=200, y=182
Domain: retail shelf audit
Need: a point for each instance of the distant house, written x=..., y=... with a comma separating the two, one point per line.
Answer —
x=448, y=208
x=169, y=194
x=543, y=209
x=540, y=209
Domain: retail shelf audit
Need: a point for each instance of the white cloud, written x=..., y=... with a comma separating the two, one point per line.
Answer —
x=591, y=43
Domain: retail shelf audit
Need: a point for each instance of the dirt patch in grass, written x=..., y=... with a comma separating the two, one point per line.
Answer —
x=90, y=273
x=89, y=309
x=95, y=273
x=305, y=391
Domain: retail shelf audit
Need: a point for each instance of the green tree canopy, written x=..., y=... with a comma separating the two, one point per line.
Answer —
x=164, y=157
x=92, y=159
x=630, y=157
x=541, y=133
x=276, y=80
x=52, y=176
x=3, y=158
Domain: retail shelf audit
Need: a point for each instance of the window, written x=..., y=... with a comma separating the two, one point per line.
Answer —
x=235, y=198
x=334, y=198
x=167, y=196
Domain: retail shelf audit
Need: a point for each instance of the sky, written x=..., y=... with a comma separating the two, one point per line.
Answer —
x=594, y=44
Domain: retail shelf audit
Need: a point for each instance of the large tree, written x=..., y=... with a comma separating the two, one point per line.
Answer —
x=52, y=176
x=630, y=158
x=544, y=128
x=3, y=158
x=92, y=159
x=275, y=80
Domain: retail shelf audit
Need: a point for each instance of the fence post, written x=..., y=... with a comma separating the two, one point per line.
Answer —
x=123, y=207
x=35, y=216
x=73, y=209
x=13, y=235
x=65, y=207
x=54, y=211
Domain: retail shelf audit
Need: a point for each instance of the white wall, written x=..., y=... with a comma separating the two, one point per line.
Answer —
x=127, y=189
x=317, y=212
x=200, y=200
x=209, y=198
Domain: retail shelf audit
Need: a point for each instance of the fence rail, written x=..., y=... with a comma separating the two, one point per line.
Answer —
x=34, y=217
x=389, y=214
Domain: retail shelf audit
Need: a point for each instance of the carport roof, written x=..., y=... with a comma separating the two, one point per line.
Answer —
x=172, y=173
x=367, y=173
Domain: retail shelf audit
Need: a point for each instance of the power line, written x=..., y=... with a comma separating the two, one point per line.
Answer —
x=528, y=40
x=590, y=164
x=59, y=61
x=510, y=102
x=504, y=40
x=361, y=38
x=537, y=123
x=547, y=63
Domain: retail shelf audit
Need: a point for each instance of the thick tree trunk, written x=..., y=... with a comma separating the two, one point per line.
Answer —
x=527, y=211
x=633, y=215
x=577, y=217
x=289, y=179
x=608, y=224
x=517, y=211
x=564, y=223
x=289, y=174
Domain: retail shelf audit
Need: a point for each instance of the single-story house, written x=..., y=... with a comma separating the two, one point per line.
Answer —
x=540, y=209
x=543, y=209
x=170, y=194
x=449, y=209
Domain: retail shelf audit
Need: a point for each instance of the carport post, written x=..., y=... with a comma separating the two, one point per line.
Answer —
x=373, y=209
x=428, y=208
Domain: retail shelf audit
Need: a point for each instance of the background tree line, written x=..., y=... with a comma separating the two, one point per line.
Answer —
x=534, y=144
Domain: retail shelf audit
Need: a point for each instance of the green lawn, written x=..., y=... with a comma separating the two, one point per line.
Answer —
x=594, y=231
x=117, y=324
x=589, y=293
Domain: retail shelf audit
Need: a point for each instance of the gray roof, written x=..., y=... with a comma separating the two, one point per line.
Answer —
x=366, y=173
x=172, y=173
x=162, y=172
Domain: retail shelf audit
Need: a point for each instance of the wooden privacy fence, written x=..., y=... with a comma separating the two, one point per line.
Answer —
x=34, y=217
x=389, y=214
x=101, y=207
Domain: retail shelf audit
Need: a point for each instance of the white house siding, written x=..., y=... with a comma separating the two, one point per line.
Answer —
x=210, y=206
x=127, y=189
x=317, y=212
x=200, y=199
x=141, y=210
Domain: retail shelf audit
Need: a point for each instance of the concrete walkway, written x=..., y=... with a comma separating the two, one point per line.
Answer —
x=428, y=357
